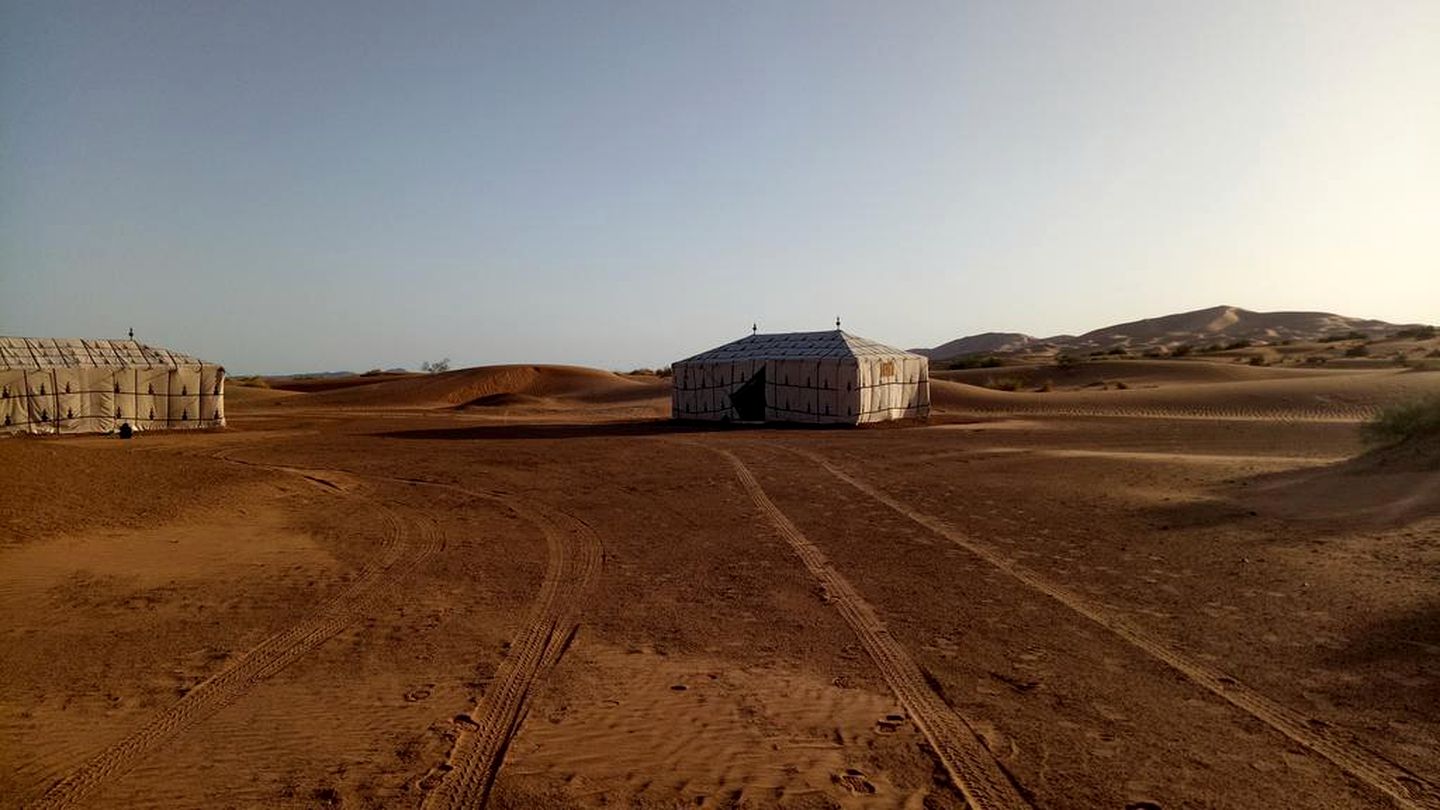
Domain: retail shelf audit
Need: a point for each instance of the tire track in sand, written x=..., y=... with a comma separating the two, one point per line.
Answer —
x=971, y=767
x=1403, y=787
x=399, y=556
x=574, y=556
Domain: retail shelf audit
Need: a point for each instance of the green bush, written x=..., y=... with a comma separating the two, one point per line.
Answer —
x=1405, y=420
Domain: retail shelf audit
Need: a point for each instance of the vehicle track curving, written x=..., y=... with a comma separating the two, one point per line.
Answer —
x=1404, y=787
x=400, y=553
x=574, y=557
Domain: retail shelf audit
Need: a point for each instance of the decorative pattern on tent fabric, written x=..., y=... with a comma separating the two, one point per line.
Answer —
x=831, y=377
x=57, y=385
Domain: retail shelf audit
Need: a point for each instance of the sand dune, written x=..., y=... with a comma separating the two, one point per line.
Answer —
x=310, y=384
x=246, y=395
x=1342, y=396
x=487, y=386
x=1133, y=372
x=1199, y=327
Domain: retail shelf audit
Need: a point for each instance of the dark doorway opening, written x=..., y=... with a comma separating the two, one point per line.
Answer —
x=749, y=399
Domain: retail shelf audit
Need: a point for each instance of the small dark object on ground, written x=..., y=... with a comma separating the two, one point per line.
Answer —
x=126, y=431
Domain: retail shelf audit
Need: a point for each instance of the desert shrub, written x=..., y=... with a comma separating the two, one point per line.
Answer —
x=1182, y=350
x=1344, y=336
x=1405, y=420
x=1003, y=383
x=1419, y=333
x=1121, y=386
x=1215, y=347
x=1046, y=387
x=1238, y=344
x=1068, y=361
x=1435, y=353
x=1155, y=351
x=1117, y=350
x=1258, y=361
x=437, y=367
x=975, y=361
x=1358, y=351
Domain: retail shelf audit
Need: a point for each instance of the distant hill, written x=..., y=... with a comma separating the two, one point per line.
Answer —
x=984, y=343
x=1201, y=327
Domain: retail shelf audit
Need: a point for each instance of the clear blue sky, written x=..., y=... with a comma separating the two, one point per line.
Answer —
x=308, y=185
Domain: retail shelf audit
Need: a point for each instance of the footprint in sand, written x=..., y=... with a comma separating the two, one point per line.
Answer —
x=889, y=724
x=854, y=781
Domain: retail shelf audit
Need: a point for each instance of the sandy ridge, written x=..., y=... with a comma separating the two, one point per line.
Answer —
x=573, y=560
x=970, y=765
x=1336, y=414
x=398, y=557
x=1405, y=788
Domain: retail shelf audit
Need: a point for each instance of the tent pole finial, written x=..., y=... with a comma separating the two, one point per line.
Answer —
x=132, y=333
x=755, y=328
x=837, y=321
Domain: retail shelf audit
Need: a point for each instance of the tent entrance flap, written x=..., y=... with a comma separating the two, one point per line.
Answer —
x=749, y=399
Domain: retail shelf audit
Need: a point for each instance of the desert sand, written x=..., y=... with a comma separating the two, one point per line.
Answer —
x=524, y=586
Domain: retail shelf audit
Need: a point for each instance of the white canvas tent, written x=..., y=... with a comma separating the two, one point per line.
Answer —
x=55, y=385
x=822, y=377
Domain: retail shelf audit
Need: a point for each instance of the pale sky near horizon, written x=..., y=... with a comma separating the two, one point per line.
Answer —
x=284, y=186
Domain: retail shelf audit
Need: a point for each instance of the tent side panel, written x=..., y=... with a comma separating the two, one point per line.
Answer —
x=849, y=390
x=184, y=394
x=69, y=400
x=40, y=400
x=219, y=410
x=212, y=396
x=98, y=400
x=152, y=397
x=123, y=386
x=897, y=387
x=702, y=390
x=14, y=404
x=694, y=394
